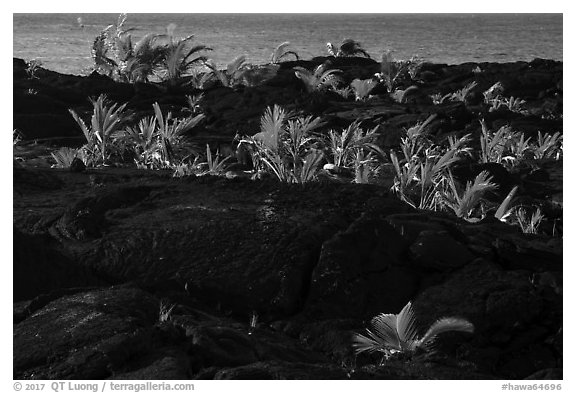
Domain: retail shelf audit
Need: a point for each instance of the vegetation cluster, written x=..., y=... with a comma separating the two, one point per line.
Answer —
x=296, y=148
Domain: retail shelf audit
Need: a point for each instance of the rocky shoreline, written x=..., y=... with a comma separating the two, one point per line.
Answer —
x=123, y=273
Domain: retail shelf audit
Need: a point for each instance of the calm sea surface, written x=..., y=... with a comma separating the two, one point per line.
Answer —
x=62, y=45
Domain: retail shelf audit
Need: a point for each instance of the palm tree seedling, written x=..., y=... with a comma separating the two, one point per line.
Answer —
x=32, y=67
x=215, y=166
x=362, y=88
x=460, y=95
x=399, y=333
x=171, y=132
x=284, y=146
x=142, y=142
x=116, y=56
x=16, y=137
x=181, y=56
x=281, y=52
x=64, y=157
x=234, y=72
x=318, y=80
x=194, y=102
x=348, y=48
x=107, y=119
x=253, y=322
x=548, y=146
x=343, y=147
x=464, y=203
x=495, y=146
x=515, y=104
x=493, y=92
x=392, y=72
x=529, y=224
x=165, y=313
x=438, y=98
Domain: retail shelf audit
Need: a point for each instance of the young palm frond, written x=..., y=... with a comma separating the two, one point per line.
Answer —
x=391, y=333
x=64, y=157
x=463, y=204
x=362, y=88
x=281, y=52
x=318, y=80
x=505, y=210
x=444, y=325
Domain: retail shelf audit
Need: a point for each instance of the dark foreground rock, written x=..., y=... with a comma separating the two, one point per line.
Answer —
x=151, y=277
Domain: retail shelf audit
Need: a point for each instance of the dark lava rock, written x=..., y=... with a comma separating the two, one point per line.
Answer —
x=361, y=271
x=84, y=336
x=438, y=250
x=41, y=266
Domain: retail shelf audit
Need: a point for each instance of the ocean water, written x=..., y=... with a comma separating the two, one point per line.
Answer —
x=58, y=41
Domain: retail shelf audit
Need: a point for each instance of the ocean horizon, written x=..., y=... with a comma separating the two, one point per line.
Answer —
x=62, y=42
